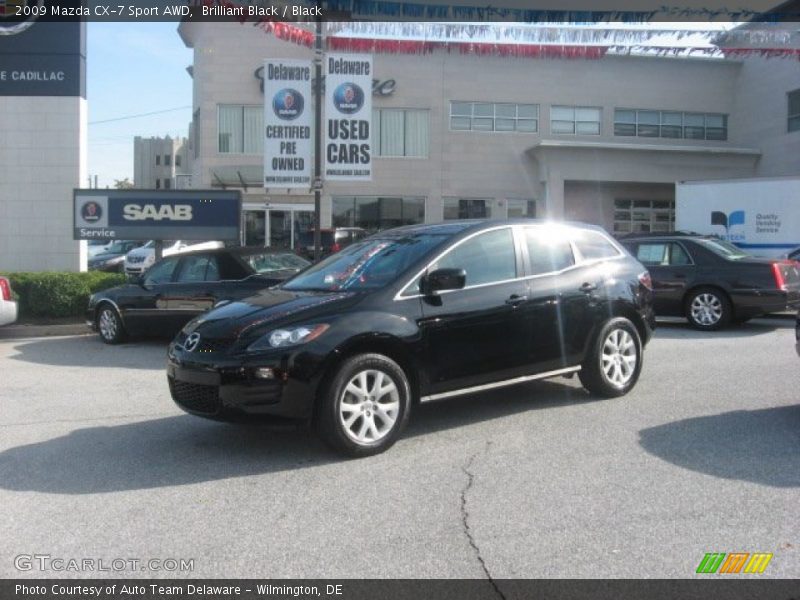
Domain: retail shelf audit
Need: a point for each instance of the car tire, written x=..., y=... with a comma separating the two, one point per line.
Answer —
x=614, y=362
x=708, y=309
x=109, y=325
x=364, y=406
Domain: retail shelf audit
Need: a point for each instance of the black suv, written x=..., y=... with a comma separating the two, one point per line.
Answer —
x=420, y=313
x=712, y=282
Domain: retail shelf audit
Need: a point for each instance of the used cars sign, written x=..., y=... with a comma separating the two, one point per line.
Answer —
x=148, y=215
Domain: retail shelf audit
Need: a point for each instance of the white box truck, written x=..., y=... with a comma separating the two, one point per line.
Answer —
x=761, y=216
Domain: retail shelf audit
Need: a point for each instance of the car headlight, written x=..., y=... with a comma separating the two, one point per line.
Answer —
x=290, y=336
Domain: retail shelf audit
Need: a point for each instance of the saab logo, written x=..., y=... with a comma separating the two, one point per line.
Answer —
x=178, y=212
x=16, y=16
x=348, y=98
x=191, y=342
x=716, y=562
x=288, y=104
x=91, y=212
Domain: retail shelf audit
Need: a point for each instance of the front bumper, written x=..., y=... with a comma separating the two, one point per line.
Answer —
x=229, y=387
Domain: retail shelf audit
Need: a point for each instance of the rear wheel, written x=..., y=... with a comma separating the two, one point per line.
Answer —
x=364, y=406
x=109, y=325
x=614, y=362
x=708, y=309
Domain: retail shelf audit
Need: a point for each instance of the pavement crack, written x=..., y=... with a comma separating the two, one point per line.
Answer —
x=465, y=522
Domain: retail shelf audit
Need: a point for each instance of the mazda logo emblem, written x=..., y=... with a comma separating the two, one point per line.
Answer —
x=191, y=342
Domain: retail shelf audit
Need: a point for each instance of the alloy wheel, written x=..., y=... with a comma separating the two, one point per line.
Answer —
x=619, y=357
x=369, y=406
x=706, y=309
x=108, y=324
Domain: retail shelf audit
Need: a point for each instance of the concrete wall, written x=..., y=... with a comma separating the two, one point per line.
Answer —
x=42, y=158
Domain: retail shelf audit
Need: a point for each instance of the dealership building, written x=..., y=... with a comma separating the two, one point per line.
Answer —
x=460, y=136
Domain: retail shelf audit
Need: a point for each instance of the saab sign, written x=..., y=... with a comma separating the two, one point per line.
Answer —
x=156, y=215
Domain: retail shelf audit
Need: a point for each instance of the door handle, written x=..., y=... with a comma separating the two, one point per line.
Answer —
x=588, y=288
x=516, y=299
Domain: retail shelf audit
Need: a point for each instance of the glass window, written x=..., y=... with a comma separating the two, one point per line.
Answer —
x=240, y=129
x=582, y=120
x=368, y=264
x=467, y=208
x=594, y=245
x=198, y=268
x=177, y=160
x=487, y=258
x=637, y=216
x=161, y=272
x=652, y=254
x=547, y=251
x=377, y=213
x=167, y=160
x=487, y=116
x=518, y=207
x=158, y=159
x=678, y=255
x=400, y=132
x=269, y=262
x=794, y=110
x=167, y=184
x=670, y=124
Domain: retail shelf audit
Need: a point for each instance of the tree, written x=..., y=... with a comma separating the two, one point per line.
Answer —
x=123, y=184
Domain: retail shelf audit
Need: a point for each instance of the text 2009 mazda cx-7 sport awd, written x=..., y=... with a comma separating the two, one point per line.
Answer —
x=415, y=314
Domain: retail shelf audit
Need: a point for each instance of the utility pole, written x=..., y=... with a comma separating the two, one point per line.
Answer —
x=318, y=58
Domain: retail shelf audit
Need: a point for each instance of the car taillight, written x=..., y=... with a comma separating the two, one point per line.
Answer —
x=780, y=282
x=646, y=281
x=336, y=247
x=5, y=289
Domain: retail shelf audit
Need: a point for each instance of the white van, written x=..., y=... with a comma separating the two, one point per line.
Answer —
x=138, y=260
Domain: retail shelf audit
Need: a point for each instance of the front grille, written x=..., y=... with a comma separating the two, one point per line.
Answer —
x=213, y=344
x=136, y=259
x=195, y=397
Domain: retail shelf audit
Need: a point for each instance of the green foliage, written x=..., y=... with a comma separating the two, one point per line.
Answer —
x=57, y=295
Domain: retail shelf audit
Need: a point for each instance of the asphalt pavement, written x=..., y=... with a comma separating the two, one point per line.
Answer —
x=539, y=480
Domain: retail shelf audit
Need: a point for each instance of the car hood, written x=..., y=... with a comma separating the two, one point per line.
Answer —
x=106, y=256
x=268, y=309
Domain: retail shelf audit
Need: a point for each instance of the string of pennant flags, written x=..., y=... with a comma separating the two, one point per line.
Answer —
x=568, y=40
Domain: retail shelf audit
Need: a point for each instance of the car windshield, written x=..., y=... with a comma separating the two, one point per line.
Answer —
x=723, y=248
x=369, y=264
x=118, y=248
x=167, y=244
x=270, y=262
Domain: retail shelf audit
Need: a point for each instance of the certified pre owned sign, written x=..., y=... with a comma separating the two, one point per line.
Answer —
x=157, y=215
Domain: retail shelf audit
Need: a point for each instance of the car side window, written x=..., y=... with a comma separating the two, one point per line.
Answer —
x=547, y=253
x=678, y=256
x=198, y=268
x=161, y=272
x=653, y=254
x=593, y=245
x=487, y=258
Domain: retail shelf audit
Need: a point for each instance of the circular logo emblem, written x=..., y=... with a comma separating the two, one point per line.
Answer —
x=190, y=345
x=91, y=211
x=288, y=104
x=11, y=23
x=348, y=98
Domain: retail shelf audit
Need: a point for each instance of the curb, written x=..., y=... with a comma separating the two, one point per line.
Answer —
x=30, y=331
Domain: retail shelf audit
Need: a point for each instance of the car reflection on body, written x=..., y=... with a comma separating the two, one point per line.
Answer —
x=179, y=287
x=416, y=314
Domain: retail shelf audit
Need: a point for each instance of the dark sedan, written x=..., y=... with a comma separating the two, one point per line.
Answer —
x=180, y=287
x=112, y=259
x=712, y=282
x=417, y=314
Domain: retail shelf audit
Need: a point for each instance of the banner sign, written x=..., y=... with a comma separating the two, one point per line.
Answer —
x=156, y=215
x=288, y=115
x=348, y=117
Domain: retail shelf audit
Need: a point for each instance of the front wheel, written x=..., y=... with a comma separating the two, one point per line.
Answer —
x=614, y=361
x=708, y=309
x=109, y=325
x=364, y=406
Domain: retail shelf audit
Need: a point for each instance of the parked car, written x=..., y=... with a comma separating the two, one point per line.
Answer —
x=712, y=282
x=8, y=307
x=420, y=313
x=793, y=254
x=112, y=258
x=95, y=247
x=331, y=240
x=137, y=261
x=180, y=287
x=797, y=333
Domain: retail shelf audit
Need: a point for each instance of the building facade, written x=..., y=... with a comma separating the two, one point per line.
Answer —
x=161, y=163
x=462, y=136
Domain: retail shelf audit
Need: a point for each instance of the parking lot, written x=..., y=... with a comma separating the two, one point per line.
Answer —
x=536, y=481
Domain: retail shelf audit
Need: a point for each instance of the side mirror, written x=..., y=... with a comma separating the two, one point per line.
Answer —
x=441, y=280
